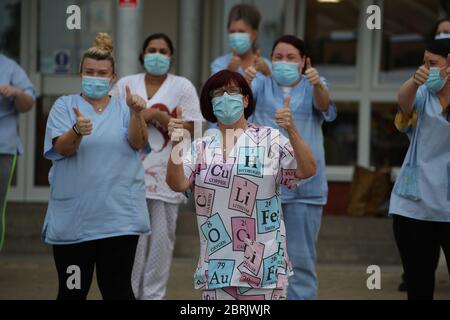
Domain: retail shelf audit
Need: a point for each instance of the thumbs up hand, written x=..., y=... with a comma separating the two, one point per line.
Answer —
x=83, y=124
x=235, y=61
x=260, y=65
x=250, y=74
x=283, y=116
x=311, y=73
x=175, y=126
x=135, y=102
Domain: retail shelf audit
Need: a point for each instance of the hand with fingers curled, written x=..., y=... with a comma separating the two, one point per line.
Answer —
x=421, y=75
x=175, y=127
x=312, y=74
x=135, y=103
x=283, y=116
x=8, y=91
x=235, y=61
x=83, y=125
x=260, y=65
x=250, y=74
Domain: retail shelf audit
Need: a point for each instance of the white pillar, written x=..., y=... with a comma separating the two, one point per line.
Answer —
x=189, y=40
x=129, y=38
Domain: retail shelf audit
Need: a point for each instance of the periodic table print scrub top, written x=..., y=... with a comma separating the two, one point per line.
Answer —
x=238, y=208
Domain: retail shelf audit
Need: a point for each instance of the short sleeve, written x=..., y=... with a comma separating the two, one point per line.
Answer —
x=287, y=164
x=190, y=102
x=192, y=161
x=20, y=80
x=59, y=122
x=331, y=114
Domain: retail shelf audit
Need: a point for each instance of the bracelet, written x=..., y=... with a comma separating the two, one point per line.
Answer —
x=75, y=129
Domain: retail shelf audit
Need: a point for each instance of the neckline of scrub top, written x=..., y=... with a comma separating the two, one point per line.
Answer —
x=91, y=113
x=149, y=101
x=438, y=108
x=231, y=152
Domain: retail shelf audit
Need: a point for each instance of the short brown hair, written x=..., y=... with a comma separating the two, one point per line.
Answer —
x=102, y=50
x=218, y=80
x=246, y=12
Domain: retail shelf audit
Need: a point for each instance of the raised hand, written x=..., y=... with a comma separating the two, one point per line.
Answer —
x=135, y=102
x=250, y=74
x=175, y=126
x=83, y=124
x=421, y=75
x=235, y=61
x=283, y=116
x=311, y=73
x=260, y=65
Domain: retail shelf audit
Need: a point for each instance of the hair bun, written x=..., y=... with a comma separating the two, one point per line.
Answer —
x=103, y=41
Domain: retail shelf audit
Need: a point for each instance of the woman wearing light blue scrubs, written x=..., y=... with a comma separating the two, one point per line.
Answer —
x=16, y=96
x=97, y=207
x=420, y=201
x=311, y=106
x=243, y=25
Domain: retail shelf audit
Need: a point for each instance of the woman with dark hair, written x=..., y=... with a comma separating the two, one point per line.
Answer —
x=420, y=201
x=96, y=210
x=441, y=29
x=294, y=77
x=235, y=176
x=243, y=25
x=163, y=92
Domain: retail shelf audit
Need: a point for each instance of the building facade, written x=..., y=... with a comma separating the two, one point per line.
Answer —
x=364, y=67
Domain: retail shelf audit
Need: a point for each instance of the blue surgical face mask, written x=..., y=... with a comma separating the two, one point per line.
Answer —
x=95, y=87
x=156, y=64
x=240, y=41
x=228, y=109
x=285, y=73
x=435, y=82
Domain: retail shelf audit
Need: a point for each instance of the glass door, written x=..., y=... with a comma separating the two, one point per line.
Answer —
x=57, y=53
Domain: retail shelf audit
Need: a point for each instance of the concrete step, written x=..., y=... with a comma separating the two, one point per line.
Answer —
x=346, y=240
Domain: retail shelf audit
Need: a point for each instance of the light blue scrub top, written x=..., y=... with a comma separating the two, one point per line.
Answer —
x=11, y=74
x=99, y=192
x=269, y=97
x=222, y=62
x=433, y=161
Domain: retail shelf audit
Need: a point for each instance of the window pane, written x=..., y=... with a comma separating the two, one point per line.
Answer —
x=406, y=26
x=42, y=165
x=388, y=146
x=10, y=28
x=331, y=38
x=272, y=13
x=60, y=49
x=341, y=136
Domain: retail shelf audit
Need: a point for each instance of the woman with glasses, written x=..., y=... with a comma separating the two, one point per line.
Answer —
x=420, y=201
x=294, y=77
x=235, y=176
x=163, y=93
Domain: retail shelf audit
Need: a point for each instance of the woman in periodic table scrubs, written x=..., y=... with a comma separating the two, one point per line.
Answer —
x=236, y=185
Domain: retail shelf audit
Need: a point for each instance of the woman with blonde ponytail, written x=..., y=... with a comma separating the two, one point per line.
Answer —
x=97, y=207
